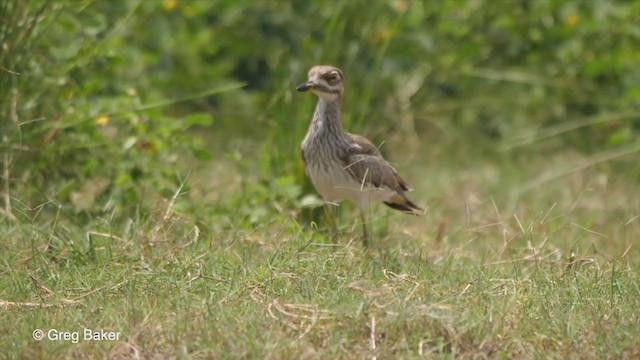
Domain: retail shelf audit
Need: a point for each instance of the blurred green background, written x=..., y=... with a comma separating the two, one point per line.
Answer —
x=121, y=96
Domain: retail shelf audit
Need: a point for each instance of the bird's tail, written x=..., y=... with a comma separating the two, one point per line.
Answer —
x=402, y=203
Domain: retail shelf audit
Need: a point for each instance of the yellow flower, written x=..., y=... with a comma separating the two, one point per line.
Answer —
x=401, y=5
x=379, y=36
x=189, y=11
x=170, y=4
x=102, y=120
x=572, y=20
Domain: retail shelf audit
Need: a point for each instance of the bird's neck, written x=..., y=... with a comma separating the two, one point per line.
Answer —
x=326, y=118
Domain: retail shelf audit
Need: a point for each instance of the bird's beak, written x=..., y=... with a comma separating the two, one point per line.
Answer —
x=306, y=86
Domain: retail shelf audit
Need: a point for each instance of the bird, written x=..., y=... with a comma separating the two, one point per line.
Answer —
x=342, y=165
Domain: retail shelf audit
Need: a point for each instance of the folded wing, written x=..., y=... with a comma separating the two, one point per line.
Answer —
x=365, y=163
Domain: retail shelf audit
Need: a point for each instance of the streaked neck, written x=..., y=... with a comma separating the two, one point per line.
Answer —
x=327, y=116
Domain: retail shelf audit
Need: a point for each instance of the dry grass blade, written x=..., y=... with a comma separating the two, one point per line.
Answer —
x=565, y=127
x=43, y=291
x=64, y=302
x=8, y=305
x=372, y=293
x=372, y=336
x=298, y=317
x=589, y=162
x=589, y=230
x=2, y=68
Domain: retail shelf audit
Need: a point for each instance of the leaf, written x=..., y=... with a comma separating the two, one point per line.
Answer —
x=166, y=193
x=286, y=187
x=202, y=119
x=129, y=142
x=202, y=154
x=163, y=103
x=310, y=201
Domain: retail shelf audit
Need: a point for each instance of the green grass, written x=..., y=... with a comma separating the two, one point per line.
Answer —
x=551, y=273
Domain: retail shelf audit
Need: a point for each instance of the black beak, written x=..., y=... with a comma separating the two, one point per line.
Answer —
x=306, y=86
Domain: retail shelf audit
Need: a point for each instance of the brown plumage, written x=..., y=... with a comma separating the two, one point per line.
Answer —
x=365, y=162
x=342, y=165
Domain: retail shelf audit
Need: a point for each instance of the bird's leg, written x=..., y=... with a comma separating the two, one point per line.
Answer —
x=365, y=233
x=331, y=217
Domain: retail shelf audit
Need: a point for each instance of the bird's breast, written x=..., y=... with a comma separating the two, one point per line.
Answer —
x=335, y=183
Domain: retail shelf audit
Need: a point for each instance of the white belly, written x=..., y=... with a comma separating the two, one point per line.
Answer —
x=336, y=184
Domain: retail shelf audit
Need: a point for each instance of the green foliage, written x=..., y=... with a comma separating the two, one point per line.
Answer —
x=82, y=128
x=106, y=91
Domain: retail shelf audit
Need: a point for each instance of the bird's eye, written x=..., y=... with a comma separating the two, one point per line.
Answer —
x=332, y=78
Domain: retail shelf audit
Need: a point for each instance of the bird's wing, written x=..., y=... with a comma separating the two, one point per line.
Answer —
x=364, y=162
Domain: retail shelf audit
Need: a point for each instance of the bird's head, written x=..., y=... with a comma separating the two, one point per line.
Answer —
x=324, y=81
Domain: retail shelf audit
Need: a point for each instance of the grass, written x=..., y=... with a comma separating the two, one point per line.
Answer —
x=550, y=272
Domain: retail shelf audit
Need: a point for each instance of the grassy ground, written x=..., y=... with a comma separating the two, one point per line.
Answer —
x=550, y=271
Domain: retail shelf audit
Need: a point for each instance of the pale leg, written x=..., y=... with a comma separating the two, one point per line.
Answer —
x=365, y=233
x=331, y=218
